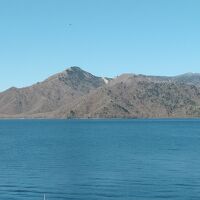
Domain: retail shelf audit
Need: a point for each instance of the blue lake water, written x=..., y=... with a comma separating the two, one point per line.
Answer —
x=100, y=159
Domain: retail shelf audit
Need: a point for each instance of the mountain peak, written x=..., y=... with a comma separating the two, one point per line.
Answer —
x=76, y=71
x=71, y=71
x=74, y=68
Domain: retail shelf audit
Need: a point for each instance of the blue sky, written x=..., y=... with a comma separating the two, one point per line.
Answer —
x=105, y=37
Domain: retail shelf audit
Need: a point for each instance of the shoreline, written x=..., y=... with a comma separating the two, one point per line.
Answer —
x=96, y=119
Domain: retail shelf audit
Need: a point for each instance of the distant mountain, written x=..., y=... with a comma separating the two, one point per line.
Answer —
x=188, y=78
x=75, y=93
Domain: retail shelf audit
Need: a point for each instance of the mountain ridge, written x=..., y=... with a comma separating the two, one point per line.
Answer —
x=75, y=93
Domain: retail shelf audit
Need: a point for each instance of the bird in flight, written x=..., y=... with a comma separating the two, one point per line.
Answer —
x=68, y=26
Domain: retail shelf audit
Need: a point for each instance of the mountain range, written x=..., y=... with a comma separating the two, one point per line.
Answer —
x=75, y=93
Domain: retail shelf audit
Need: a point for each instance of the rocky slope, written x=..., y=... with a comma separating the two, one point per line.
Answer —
x=75, y=93
x=42, y=99
x=133, y=97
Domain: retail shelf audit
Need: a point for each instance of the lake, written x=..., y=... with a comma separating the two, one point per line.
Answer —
x=100, y=159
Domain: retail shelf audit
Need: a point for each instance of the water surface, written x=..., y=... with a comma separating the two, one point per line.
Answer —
x=100, y=159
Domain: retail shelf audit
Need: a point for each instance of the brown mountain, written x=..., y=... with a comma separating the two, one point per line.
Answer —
x=75, y=93
x=42, y=99
x=139, y=96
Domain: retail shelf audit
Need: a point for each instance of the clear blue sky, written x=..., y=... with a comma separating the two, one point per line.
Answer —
x=105, y=37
